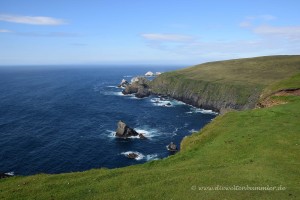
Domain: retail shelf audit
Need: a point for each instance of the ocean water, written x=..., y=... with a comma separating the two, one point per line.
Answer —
x=64, y=120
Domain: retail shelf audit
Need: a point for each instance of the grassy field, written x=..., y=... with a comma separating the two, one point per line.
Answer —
x=253, y=148
x=259, y=70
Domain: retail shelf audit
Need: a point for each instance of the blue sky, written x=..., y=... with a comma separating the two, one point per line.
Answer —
x=145, y=31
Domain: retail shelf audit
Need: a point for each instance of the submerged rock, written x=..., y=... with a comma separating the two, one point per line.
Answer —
x=125, y=131
x=141, y=136
x=132, y=155
x=172, y=147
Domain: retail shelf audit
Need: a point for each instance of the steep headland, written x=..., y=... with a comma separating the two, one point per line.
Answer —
x=225, y=85
x=250, y=154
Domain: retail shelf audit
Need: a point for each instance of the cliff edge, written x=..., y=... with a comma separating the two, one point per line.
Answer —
x=226, y=85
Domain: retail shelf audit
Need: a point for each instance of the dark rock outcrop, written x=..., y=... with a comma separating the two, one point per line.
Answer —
x=130, y=89
x=5, y=175
x=141, y=136
x=139, y=87
x=172, y=147
x=132, y=155
x=143, y=91
x=125, y=131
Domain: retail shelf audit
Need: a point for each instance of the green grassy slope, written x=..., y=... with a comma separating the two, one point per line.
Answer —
x=234, y=84
x=257, y=148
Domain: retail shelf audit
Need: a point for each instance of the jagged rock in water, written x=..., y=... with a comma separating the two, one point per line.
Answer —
x=139, y=86
x=172, y=147
x=132, y=155
x=125, y=131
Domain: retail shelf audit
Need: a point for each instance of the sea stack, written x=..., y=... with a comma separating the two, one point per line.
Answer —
x=125, y=131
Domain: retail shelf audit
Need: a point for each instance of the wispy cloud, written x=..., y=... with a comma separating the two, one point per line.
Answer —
x=47, y=34
x=32, y=20
x=5, y=31
x=269, y=39
x=265, y=17
x=166, y=37
x=250, y=20
x=285, y=32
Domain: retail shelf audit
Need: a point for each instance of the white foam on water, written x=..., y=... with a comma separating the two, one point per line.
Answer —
x=127, y=76
x=151, y=157
x=134, y=97
x=139, y=157
x=203, y=111
x=192, y=131
x=128, y=95
x=114, y=93
x=10, y=173
x=163, y=102
x=176, y=102
x=159, y=102
x=111, y=134
x=112, y=86
x=148, y=133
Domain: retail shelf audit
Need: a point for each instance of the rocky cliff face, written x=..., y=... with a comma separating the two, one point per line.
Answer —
x=139, y=87
x=208, y=95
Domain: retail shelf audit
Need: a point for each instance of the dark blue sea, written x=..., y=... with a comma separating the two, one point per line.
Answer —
x=55, y=120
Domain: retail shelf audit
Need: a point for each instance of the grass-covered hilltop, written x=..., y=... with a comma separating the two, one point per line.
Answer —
x=233, y=84
x=248, y=154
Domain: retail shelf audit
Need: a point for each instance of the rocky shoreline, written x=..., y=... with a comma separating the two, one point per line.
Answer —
x=141, y=87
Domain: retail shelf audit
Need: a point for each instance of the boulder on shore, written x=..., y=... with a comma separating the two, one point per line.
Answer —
x=125, y=131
